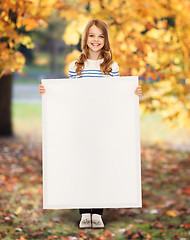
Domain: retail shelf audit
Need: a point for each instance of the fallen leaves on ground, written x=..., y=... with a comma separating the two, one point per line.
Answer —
x=165, y=187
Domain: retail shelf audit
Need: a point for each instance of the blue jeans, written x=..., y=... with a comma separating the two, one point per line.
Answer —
x=91, y=210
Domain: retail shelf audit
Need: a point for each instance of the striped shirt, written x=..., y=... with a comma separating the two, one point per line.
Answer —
x=92, y=69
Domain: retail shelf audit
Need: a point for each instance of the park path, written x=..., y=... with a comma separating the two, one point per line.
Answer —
x=29, y=92
x=26, y=93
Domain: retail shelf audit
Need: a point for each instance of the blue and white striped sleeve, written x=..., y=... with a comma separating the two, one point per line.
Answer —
x=72, y=70
x=115, y=70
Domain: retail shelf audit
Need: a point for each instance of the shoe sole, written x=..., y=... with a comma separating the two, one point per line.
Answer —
x=84, y=227
x=94, y=226
x=97, y=227
x=91, y=227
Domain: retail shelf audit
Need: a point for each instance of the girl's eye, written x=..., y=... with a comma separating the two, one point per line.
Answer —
x=100, y=36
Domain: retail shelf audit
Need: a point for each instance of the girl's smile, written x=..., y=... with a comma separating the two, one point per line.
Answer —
x=95, y=44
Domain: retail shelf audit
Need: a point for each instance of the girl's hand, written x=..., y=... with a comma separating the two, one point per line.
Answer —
x=138, y=91
x=41, y=89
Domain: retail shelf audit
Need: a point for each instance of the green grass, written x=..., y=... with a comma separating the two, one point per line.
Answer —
x=26, y=111
x=27, y=119
x=154, y=130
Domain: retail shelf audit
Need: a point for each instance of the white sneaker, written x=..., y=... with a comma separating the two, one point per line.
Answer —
x=97, y=221
x=85, y=222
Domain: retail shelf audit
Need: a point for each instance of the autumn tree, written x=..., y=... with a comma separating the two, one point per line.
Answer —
x=15, y=16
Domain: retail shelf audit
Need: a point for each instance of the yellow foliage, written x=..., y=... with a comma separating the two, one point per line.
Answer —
x=155, y=33
x=172, y=213
x=123, y=46
x=26, y=13
x=26, y=40
x=70, y=58
x=151, y=57
x=167, y=37
x=19, y=58
x=30, y=23
x=121, y=36
x=75, y=29
x=71, y=36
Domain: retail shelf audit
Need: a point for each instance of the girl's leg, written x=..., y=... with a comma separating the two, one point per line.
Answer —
x=82, y=210
x=97, y=211
x=97, y=218
x=85, y=221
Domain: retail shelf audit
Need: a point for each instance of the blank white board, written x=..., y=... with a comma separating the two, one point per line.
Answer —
x=91, y=143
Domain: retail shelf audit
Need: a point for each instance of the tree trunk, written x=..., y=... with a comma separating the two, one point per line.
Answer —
x=5, y=105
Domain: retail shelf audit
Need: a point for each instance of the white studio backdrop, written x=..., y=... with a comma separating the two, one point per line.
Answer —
x=91, y=143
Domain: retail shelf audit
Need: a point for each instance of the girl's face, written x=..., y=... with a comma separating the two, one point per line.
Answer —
x=95, y=39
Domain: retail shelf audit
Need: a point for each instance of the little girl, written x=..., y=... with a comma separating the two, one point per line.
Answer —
x=94, y=61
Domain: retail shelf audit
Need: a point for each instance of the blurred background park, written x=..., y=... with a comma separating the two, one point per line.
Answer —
x=39, y=39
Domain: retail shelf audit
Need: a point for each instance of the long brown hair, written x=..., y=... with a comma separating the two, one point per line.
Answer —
x=105, y=52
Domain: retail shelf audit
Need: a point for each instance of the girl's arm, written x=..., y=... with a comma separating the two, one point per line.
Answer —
x=138, y=91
